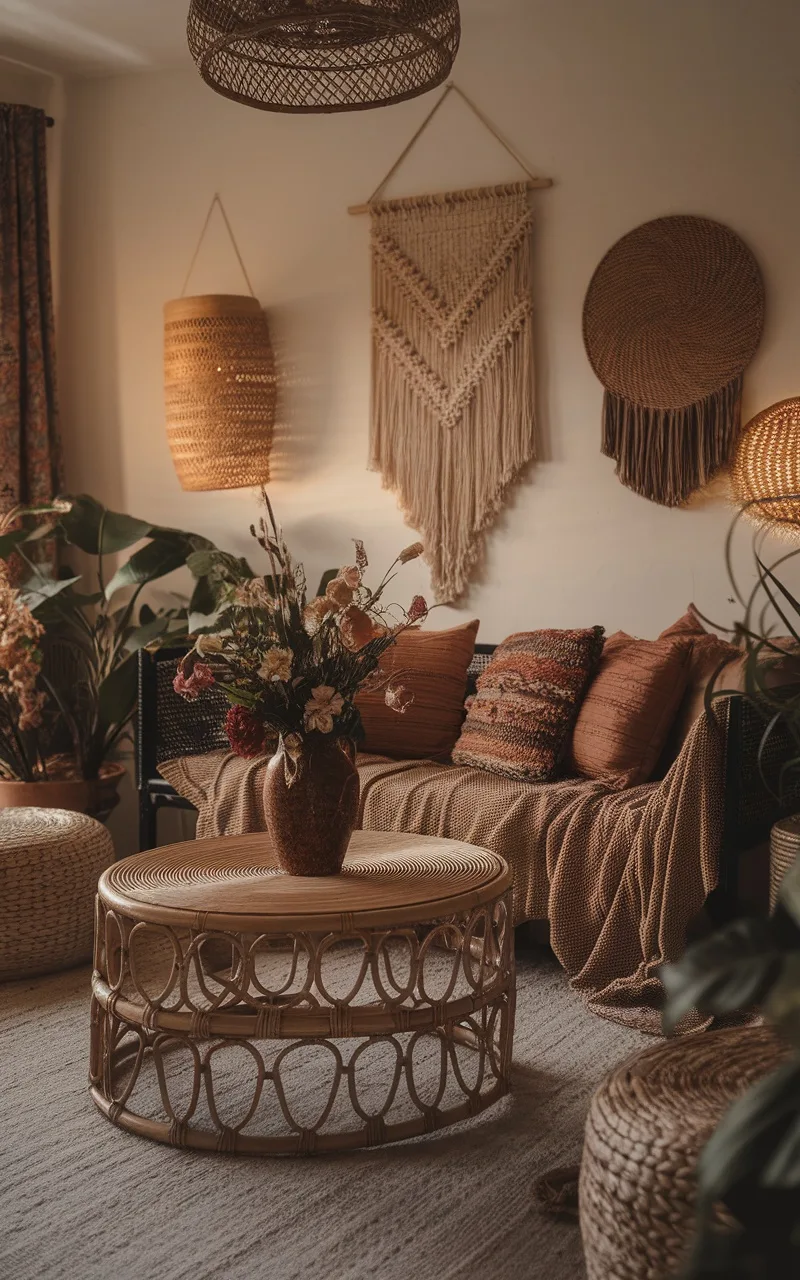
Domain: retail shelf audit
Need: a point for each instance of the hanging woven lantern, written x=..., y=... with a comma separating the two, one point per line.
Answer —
x=220, y=388
x=323, y=55
x=767, y=465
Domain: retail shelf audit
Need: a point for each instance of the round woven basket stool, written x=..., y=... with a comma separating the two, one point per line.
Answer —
x=647, y=1125
x=784, y=849
x=50, y=861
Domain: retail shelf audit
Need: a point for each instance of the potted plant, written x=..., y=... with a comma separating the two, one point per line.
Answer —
x=68, y=644
x=751, y=1165
x=291, y=668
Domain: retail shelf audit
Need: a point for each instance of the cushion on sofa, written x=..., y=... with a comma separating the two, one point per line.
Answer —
x=519, y=720
x=710, y=654
x=629, y=708
x=432, y=667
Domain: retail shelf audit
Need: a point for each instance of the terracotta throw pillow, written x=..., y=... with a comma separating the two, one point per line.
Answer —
x=519, y=720
x=709, y=653
x=629, y=708
x=432, y=667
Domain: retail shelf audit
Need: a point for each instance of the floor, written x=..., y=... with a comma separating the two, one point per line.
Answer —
x=79, y=1198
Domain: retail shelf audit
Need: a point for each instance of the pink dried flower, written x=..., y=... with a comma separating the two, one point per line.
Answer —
x=351, y=575
x=417, y=609
x=191, y=686
x=339, y=593
x=315, y=613
x=322, y=706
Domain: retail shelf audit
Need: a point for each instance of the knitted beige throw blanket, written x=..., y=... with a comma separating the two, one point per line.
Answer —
x=452, y=369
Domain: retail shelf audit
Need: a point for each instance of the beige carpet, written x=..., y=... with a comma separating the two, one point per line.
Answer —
x=79, y=1198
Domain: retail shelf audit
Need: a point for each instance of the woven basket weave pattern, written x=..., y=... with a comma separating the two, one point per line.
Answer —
x=220, y=390
x=50, y=862
x=674, y=312
x=647, y=1125
x=323, y=55
x=767, y=463
x=784, y=850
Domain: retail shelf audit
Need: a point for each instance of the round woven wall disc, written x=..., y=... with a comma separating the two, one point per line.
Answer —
x=674, y=312
x=766, y=464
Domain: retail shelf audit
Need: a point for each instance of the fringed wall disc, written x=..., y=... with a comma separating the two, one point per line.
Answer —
x=220, y=390
x=452, y=407
x=323, y=55
x=672, y=318
x=766, y=464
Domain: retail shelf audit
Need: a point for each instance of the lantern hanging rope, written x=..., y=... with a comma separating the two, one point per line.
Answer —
x=220, y=384
x=766, y=465
x=323, y=55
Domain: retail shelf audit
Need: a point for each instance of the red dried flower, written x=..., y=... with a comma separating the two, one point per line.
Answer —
x=246, y=732
x=417, y=609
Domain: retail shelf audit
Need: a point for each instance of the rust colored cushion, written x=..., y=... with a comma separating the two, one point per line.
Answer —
x=519, y=720
x=432, y=667
x=629, y=708
x=709, y=654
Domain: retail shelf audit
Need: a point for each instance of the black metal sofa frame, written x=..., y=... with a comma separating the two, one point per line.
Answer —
x=168, y=726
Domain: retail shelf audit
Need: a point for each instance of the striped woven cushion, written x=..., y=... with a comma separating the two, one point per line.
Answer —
x=520, y=718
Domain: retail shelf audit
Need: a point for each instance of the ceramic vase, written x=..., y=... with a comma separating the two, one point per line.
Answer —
x=311, y=804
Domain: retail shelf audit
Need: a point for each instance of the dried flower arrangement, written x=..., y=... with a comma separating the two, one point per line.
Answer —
x=291, y=667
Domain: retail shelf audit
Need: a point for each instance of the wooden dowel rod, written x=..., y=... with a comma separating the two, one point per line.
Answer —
x=537, y=184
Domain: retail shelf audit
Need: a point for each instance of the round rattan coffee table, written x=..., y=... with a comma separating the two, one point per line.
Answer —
x=239, y=1009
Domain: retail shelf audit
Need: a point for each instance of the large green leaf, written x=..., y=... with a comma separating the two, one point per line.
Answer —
x=212, y=561
x=38, y=589
x=748, y=1135
x=153, y=561
x=727, y=972
x=782, y=1005
x=88, y=521
x=147, y=632
x=117, y=693
x=9, y=542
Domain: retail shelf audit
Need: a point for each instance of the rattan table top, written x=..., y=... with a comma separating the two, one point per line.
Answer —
x=234, y=883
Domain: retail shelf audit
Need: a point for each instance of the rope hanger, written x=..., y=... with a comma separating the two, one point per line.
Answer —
x=217, y=200
x=452, y=87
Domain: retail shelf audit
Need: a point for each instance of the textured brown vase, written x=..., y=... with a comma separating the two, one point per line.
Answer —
x=311, y=818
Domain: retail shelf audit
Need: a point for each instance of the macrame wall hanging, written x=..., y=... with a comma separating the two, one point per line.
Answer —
x=672, y=318
x=452, y=367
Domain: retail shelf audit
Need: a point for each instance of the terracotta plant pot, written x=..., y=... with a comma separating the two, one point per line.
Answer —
x=97, y=797
x=311, y=805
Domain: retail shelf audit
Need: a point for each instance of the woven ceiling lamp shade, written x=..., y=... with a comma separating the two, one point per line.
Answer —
x=220, y=391
x=323, y=55
x=766, y=464
x=673, y=315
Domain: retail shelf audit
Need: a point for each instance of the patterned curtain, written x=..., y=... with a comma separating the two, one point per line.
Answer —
x=30, y=450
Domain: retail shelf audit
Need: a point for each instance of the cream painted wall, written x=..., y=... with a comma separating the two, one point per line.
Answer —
x=636, y=108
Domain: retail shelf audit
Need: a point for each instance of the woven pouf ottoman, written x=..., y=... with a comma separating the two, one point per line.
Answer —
x=647, y=1125
x=50, y=862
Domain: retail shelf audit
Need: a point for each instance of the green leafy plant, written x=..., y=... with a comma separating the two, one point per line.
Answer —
x=94, y=623
x=751, y=1165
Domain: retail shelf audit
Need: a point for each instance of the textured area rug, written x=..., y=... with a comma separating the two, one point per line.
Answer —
x=81, y=1198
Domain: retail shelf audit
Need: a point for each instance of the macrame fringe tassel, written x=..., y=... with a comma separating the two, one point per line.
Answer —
x=665, y=454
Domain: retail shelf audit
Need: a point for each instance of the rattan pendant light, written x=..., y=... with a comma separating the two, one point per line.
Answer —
x=323, y=55
x=220, y=386
x=766, y=465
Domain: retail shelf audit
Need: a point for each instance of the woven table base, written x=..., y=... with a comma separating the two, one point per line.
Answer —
x=646, y=1128
x=403, y=1011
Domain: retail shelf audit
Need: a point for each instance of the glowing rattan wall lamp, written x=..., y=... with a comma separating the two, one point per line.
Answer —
x=766, y=465
x=219, y=384
x=323, y=55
